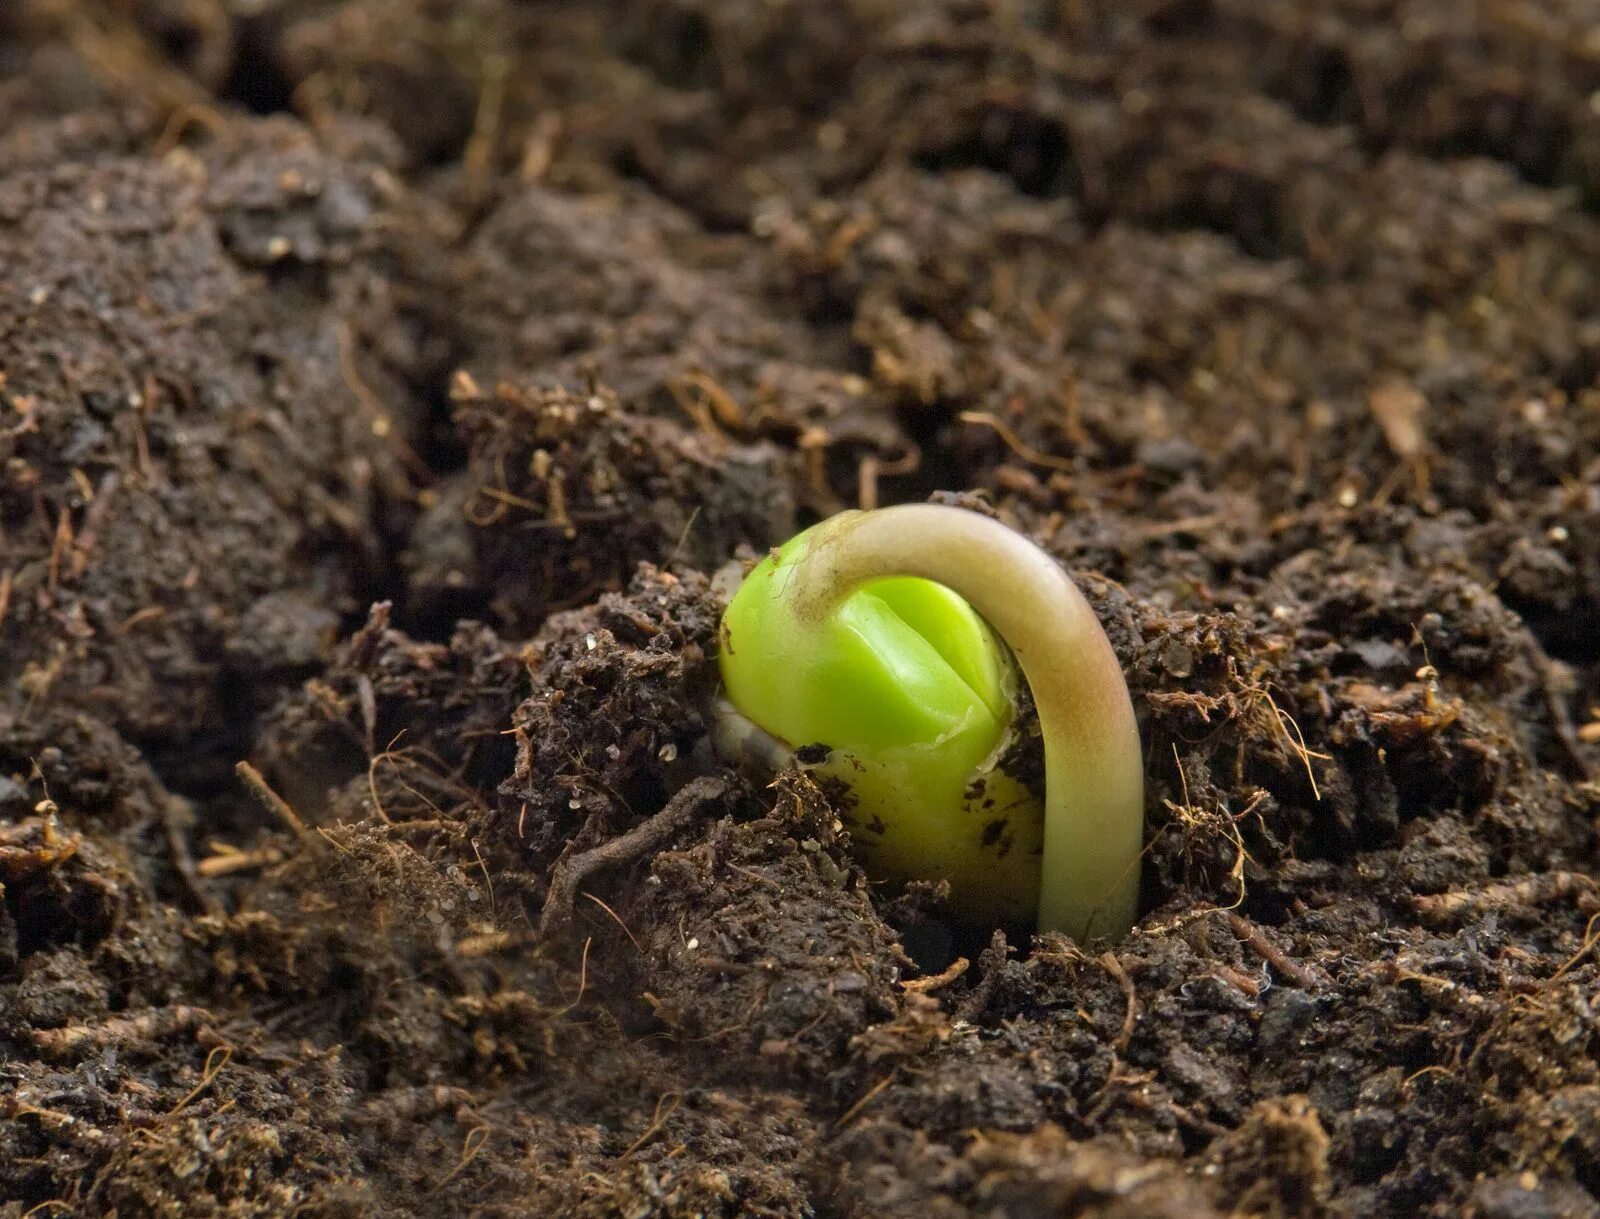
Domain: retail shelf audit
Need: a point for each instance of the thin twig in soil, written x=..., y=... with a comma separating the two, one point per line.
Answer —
x=666, y=1106
x=367, y=700
x=1436, y=1068
x=1129, y=1081
x=1302, y=976
x=152, y=1025
x=228, y=860
x=488, y=880
x=991, y=963
x=680, y=812
x=1015, y=443
x=872, y=468
x=1296, y=742
x=1156, y=530
x=583, y=982
x=146, y=614
x=926, y=986
x=183, y=861
x=1590, y=938
x=49, y=1206
x=64, y=1127
x=215, y=1061
x=478, y=156
x=1560, y=717
x=854, y=1110
x=714, y=406
x=616, y=918
x=1242, y=982
x=190, y=114
x=93, y=520
x=1538, y=890
x=487, y=944
x=683, y=539
x=470, y=1147
x=269, y=799
x=58, y=548
x=1130, y=1018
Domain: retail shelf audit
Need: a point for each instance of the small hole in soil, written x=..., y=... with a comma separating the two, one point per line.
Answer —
x=1179, y=17
x=719, y=211
x=942, y=465
x=930, y=945
x=1030, y=149
x=118, y=997
x=38, y=1192
x=676, y=45
x=440, y=446
x=1571, y=636
x=256, y=81
x=180, y=43
x=1326, y=87
x=200, y=767
x=1240, y=206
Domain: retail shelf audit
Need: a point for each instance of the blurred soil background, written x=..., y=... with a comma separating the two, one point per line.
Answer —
x=382, y=382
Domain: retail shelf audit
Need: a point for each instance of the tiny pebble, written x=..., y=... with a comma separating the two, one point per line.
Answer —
x=1177, y=659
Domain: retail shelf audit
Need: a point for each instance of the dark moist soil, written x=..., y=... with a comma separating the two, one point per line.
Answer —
x=382, y=382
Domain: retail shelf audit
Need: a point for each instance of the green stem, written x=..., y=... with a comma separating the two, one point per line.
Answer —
x=1094, y=774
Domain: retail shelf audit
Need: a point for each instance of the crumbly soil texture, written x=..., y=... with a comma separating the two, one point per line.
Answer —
x=383, y=386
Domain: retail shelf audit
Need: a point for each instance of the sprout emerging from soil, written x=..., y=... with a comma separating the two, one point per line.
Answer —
x=858, y=650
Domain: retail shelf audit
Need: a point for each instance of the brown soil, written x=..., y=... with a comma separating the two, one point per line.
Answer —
x=1278, y=323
